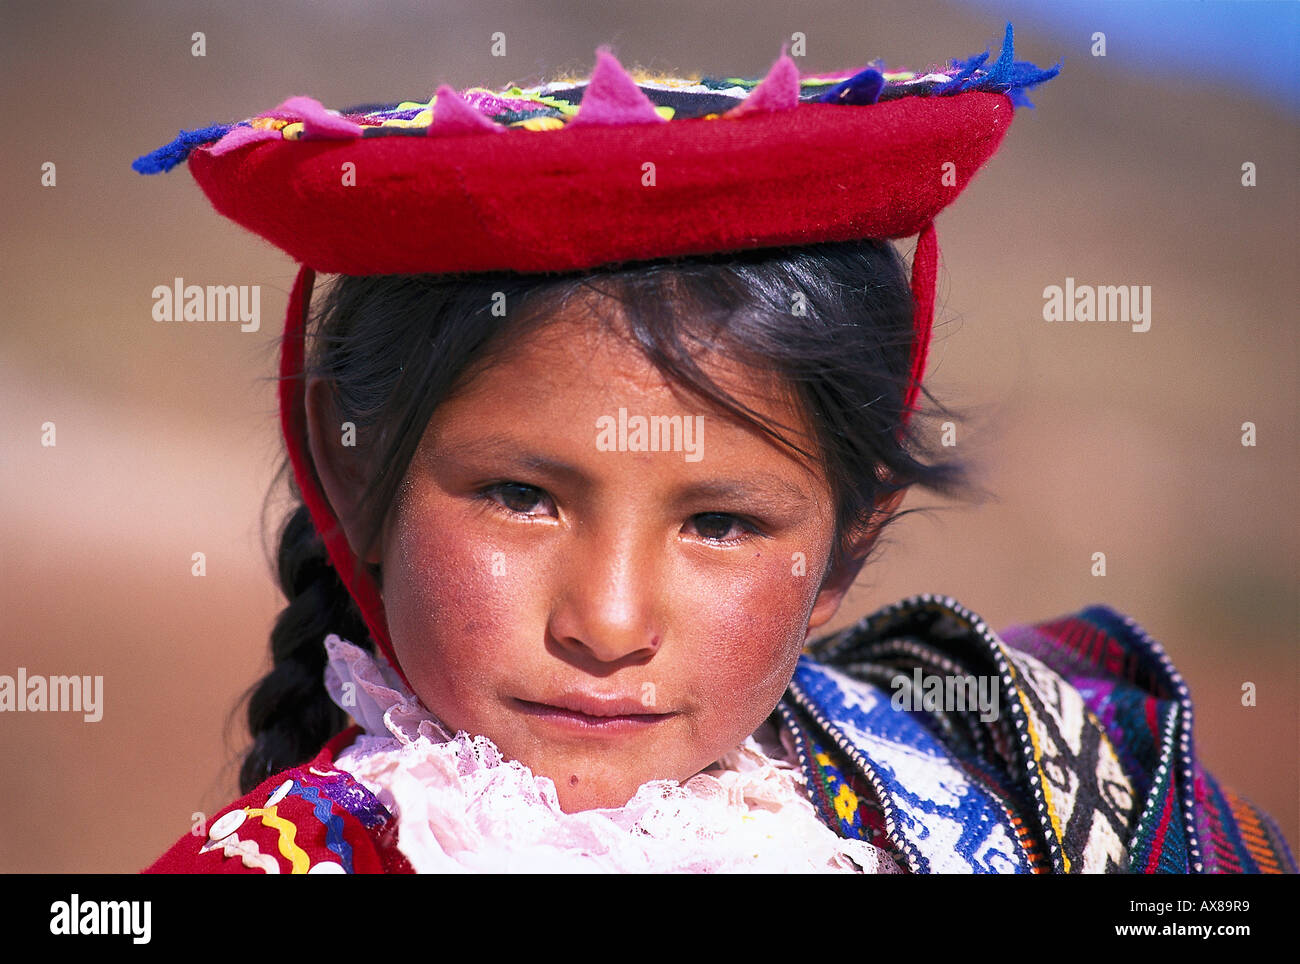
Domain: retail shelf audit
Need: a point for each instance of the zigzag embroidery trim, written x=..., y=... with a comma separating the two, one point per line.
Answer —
x=247, y=850
x=296, y=856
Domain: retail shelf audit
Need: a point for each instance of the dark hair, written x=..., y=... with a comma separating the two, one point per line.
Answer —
x=832, y=320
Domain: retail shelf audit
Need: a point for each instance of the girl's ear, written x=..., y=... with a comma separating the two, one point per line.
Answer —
x=840, y=580
x=337, y=466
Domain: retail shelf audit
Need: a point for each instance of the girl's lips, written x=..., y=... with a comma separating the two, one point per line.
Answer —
x=578, y=711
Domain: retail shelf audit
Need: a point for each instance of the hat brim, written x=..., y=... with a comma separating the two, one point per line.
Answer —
x=582, y=196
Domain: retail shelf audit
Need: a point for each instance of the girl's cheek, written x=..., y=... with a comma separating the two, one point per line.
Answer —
x=453, y=597
x=461, y=600
x=750, y=628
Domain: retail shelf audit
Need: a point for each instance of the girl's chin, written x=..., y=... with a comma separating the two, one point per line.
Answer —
x=600, y=774
x=579, y=787
x=575, y=798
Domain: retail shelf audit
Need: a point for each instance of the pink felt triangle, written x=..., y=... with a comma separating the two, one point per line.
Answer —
x=612, y=97
x=778, y=91
x=239, y=136
x=452, y=115
x=319, y=122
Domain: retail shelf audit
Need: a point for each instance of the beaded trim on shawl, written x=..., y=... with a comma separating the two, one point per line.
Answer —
x=461, y=806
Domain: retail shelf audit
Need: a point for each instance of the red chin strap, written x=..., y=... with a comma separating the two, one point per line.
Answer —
x=293, y=421
x=925, y=269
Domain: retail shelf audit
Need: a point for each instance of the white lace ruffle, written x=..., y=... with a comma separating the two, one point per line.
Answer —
x=461, y=806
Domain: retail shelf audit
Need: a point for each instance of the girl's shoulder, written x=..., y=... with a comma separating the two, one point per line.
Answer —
x=1070, y=741
x=313, y=818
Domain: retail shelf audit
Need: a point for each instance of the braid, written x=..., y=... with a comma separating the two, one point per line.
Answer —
x=290, y=714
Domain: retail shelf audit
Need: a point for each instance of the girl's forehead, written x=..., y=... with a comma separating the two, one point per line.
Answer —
x=574, y=390
x=579, y=357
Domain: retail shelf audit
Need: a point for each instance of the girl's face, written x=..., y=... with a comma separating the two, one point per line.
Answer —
x=607, y=616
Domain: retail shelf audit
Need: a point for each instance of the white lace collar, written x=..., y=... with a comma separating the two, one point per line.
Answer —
x=461, y=806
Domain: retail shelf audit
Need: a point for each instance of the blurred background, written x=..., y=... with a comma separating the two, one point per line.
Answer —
x=1093, y=437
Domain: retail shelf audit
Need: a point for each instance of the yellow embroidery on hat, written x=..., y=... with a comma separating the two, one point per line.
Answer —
x=422, y=119
x=539, y=124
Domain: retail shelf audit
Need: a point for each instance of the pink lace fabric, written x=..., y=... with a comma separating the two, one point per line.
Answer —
x=462, y=807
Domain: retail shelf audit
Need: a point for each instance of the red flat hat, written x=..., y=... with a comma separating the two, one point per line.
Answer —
x=575, y=174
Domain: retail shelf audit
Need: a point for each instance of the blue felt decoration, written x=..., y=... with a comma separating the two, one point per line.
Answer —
x=864, y=87
x=169, y=155
x=1007, y=75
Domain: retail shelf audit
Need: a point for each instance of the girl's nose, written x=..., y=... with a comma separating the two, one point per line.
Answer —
x=607, y=605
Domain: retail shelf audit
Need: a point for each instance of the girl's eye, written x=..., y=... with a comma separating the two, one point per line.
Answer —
x=518, y=498
x=717, y=526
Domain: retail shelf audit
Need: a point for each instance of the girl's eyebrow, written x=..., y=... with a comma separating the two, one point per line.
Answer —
x=780, y=493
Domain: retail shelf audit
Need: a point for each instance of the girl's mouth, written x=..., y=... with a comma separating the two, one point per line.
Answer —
x=592, y=714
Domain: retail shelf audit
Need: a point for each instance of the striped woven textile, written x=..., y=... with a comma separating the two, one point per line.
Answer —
x=1088, y=765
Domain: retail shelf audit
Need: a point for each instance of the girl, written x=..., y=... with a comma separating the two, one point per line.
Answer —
x=604, y=412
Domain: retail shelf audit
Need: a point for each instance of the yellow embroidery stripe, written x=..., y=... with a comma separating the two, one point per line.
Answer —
x=297, y=857
x=1032, y=722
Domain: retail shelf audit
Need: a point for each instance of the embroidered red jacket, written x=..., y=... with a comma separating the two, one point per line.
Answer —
x=308, y=819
